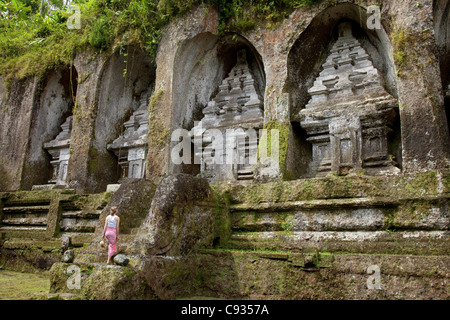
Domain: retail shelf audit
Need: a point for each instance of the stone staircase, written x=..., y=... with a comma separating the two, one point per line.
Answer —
x=245, y=174
x=24, y=215
x=304, y=239
x=75, y=219
x=359, y=225
x=316, y=239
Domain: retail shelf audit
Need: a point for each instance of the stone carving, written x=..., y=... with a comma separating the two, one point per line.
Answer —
x=233, y=111
x=59, y=149
x=350, y=115
x=131, y=146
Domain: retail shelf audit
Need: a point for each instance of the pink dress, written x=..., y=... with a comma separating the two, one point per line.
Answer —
x=111, y=235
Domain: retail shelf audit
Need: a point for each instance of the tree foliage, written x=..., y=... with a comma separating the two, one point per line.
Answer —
x=34, y=37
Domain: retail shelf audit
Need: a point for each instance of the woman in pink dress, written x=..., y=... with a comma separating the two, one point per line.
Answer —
x=111, y=232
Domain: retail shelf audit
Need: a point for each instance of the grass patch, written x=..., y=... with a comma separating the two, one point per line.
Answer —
x=23, y=286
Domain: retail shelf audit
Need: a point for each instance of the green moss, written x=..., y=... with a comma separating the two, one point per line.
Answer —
x=129, y=272
x=244, y=15
x=395, y=187
x=31, y=44
x=222, y=220
x=408, y=50
x=158, y=134
x=265, y=144
x=398, y=39
x=288, y=225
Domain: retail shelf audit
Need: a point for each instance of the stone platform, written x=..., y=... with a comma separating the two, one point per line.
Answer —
x=302, y=239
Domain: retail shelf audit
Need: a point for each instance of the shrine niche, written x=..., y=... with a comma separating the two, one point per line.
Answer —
x=49, y=147
x=131, y=146
x=59, y=149
x=219, y=85
x=237, y=112
x=350, y=116
x=121, y=117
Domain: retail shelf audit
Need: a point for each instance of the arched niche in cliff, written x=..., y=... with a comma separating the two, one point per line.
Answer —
x=306, y=61
x=201, y=65
x=127, y=77
x=53, y=106
x=441, y=15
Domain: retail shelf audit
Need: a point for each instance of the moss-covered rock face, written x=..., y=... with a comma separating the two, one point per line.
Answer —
x=133, y=200
x=99, y=282
x=29, y=256
x=245, y=274
x=304, y=239
x=430, y=183
x=114, y=283
x=181, y=217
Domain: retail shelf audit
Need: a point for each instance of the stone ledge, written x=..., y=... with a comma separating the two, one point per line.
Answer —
x=426, y=185
x=331, y=203
x=29, y=243
x=370, y=242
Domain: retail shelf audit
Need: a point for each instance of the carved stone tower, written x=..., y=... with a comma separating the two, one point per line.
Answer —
x=233, y=116
x=350, y=115
x=59, y=149
x=131, y=147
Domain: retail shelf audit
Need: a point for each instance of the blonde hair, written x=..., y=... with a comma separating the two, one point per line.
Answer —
x=113, y=210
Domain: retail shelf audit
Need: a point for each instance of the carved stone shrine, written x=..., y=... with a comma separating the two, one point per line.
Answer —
x=350, y=115
x=59, y=149
x=131, y=146
x=236, y=115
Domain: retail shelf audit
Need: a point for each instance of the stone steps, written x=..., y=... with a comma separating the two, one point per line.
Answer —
x=20, y=217
x=80, y=214
x=79, y=221
x=36, y=209
x=75, y=218
x=245, y=174
x=373, y=242
x=346, y=214
x=23, y=228
x=45, y=245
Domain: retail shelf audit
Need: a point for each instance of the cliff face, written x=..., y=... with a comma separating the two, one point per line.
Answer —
x=410, y=55
x=359, y=113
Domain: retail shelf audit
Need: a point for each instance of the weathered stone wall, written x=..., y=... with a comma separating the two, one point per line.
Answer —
x=51, y=109
x=15, y=122
x=191, y=61
x=425, y=136
x=100, y=113
x=301, y=239
x=441, y=18
x=282, y=53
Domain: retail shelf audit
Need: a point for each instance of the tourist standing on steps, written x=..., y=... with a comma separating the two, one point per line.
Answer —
x=111, y=231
